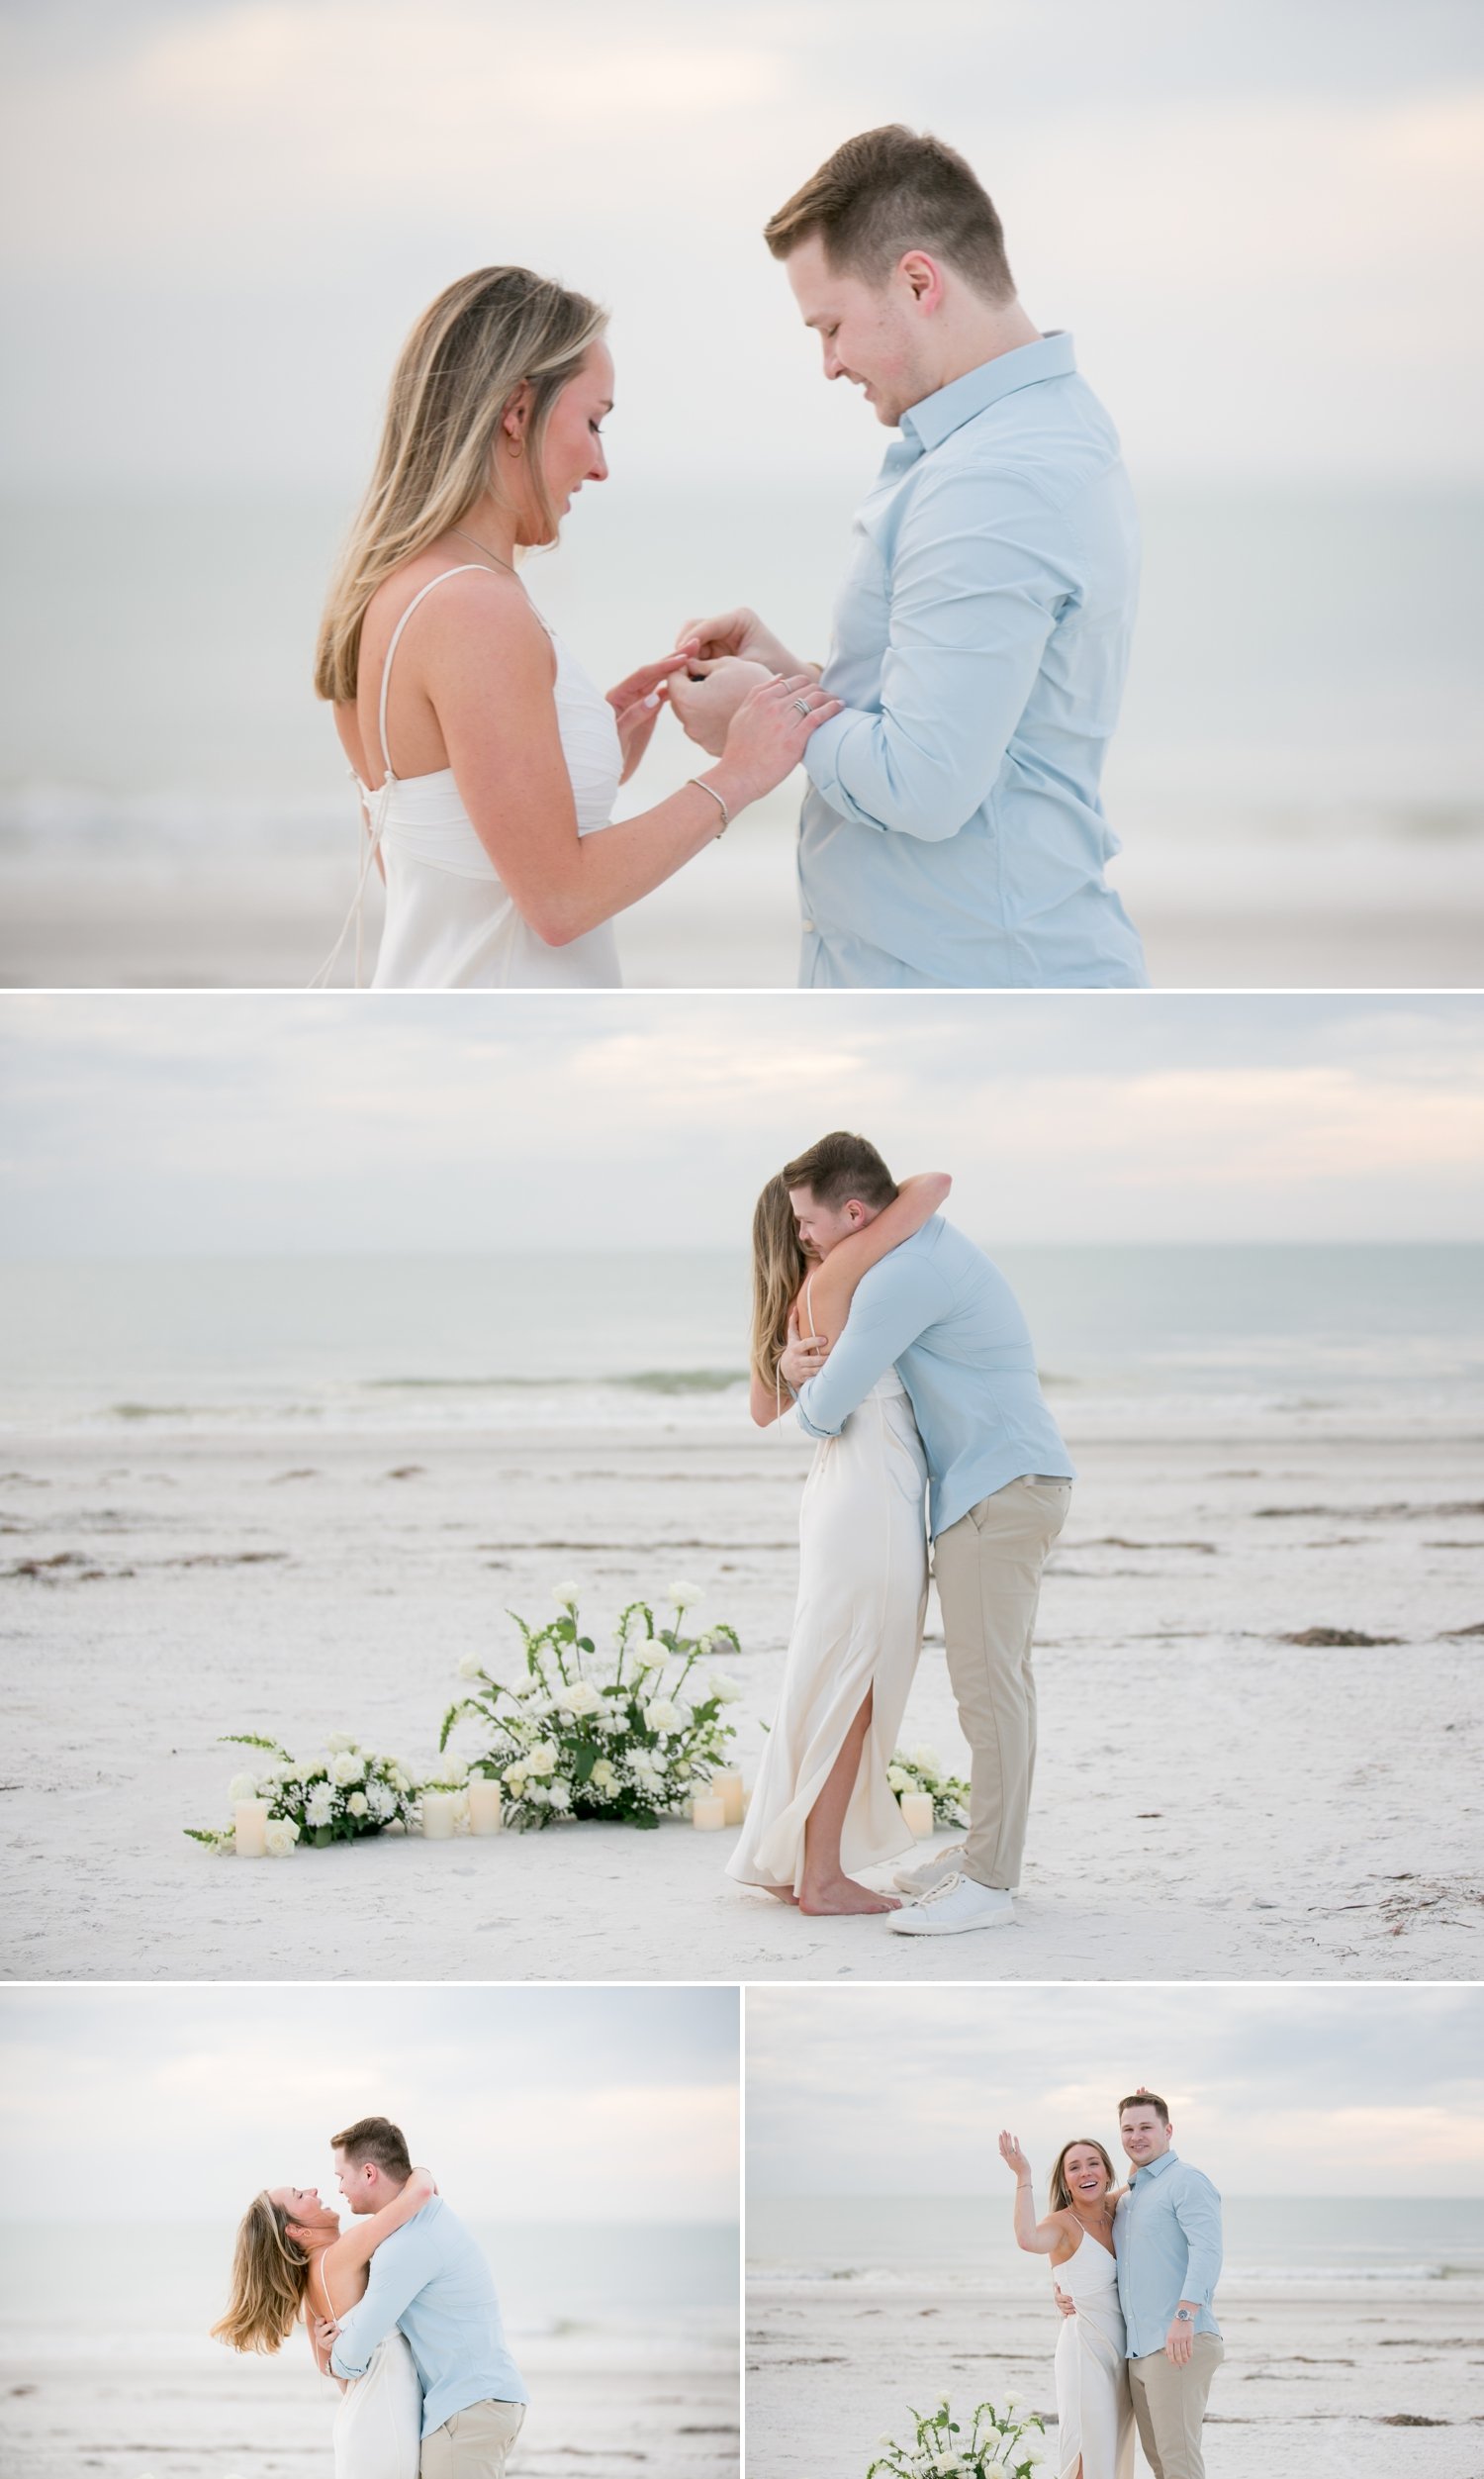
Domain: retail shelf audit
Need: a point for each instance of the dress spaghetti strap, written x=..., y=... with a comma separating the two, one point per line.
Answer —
x=376, y=805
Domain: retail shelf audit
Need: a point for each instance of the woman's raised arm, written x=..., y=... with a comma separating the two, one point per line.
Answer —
x=1036, y=2238
x=832, y=1285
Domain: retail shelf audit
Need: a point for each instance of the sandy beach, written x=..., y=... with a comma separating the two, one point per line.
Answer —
x=1332, y=2380
x=185, y=2408
x=1213, y=1800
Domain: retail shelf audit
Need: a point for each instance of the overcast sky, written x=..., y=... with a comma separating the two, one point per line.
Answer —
x=554, y=2104
x=177, y=1124
x=1273, y=2091
x=1260, y=220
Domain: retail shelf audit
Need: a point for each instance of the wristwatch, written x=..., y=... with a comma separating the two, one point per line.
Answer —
x=1183, y=2315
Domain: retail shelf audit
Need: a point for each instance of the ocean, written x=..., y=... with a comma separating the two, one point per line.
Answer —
x=958, y=2241
x=1359, y=1339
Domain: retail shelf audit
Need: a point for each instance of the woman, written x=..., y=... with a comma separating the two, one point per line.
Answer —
x=822, y=1807
x=487, y=760
x=1094, y=2411
x=293, y=2262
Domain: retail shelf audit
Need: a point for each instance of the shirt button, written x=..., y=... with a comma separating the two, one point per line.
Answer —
x=807, y=925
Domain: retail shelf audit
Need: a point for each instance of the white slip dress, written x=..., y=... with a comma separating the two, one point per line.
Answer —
x=378, y=2430
x=863, y=1578
x=450, y=922
x=1094, y=2408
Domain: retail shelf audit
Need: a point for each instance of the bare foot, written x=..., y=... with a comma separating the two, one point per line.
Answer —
x=781, y=1893
x=842, y=1895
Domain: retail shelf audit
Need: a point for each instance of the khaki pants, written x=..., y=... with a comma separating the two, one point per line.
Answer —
x=989, y=1570
x=1169, y=2404
x=473, y=2442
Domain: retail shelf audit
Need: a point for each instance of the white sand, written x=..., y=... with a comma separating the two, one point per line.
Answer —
x=163, y=2411
x=1212, y=1802
x=1314, y=2374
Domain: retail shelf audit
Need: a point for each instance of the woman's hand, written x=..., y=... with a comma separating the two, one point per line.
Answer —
x=704, y=706
x=1014, y=2159
x=804, y=1355
x=636, y=703
x=771, y=728
x=741, y=632
x=422, y=2184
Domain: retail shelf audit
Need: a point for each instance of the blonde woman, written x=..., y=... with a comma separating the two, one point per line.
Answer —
x=1094, y=2407
x=822, y=1807
x=487, y=761
x=294, y=2263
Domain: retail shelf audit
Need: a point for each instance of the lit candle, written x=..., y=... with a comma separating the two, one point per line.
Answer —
x=438, y=1815
x=708, y=1815
x=917, y=1813
x=251, y=1818
x=727, y=1787
x=484, y=1804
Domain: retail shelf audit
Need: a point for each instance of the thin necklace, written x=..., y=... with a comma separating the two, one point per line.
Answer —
x=483, y=547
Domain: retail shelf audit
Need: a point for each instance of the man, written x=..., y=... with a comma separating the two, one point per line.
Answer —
x=1166, y=2235
x=430, y=2279
x=999, y=1484
x=954, y=835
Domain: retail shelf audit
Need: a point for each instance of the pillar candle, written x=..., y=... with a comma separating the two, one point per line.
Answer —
x=727, y=1787
x=484, y=1804
x=250, y=1817
x=438, y=1815
x=708, y=1815
x=917, y=1813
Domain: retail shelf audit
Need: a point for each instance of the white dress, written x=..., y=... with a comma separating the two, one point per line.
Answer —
x=450, y=923
x=857, y=1624
x=1094, y=2408
x=378, y=2430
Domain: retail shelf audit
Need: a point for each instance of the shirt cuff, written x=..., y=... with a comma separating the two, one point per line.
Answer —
x=821, y=760
x=806, y=1424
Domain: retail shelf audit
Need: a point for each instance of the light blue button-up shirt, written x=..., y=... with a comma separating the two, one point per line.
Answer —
x=938, y=1311
x=953, y=836
x=431, y=2278
x=1166, y=2236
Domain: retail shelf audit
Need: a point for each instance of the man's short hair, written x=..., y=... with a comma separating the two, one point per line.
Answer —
x=888, y=191
x=378, y=2140
x=1144, y=2100
x=840, y=1167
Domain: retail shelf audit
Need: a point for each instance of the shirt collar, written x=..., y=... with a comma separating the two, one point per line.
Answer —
x=1052, y=356
x=1154, y=2168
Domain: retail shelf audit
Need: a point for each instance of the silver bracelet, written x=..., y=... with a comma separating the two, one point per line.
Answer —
x=726, y=816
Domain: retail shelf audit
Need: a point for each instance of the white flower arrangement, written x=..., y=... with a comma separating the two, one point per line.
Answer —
x=630, y=1736
x=993, y=2445
x=343, y=1794
x=923, y=1770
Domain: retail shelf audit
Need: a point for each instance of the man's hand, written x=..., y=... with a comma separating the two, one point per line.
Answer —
x=704, y=707
x=1068, y=2306
x=741, y=632
x=804, y=1355
x=1179, y=2341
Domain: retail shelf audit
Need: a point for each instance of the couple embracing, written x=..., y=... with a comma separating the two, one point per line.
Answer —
x=1135, y=2269
x=399, y=2308
x=902, y=1350
x=951, y=835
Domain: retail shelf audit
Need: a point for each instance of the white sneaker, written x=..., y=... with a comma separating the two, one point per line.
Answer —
x=952, y=1907
x=930, y=1872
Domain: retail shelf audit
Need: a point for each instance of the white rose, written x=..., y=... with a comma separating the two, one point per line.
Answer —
x=455, y=1773
x=724, y=1689
x=602, y=1776
x=400, y=1777
x=561, y=1796
x=566, y=1594
x=538, y=1797
x=662, y=1715
x=319, y=1806
x=339, y=1741
x=242, y=1786
x=471, y=1666
x=281, y=1837
x=541, y=1759
x=581, y=1697
x=896, y=1779
x=685, y=1596
x=927, y=1757
x=347, y=1768
x=357, y=1803
x=649, y=1657
x=515, y=1781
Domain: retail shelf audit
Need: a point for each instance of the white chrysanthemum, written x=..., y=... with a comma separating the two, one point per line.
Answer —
x=242, y=1786
x=538, y=1795
x=380, y=1801
x=281, y=1836
x=357, y=1803
x=471, y=1666
x=347, y=1768
x=319, y=1806
x=566, y=1594
x=662, y=1715
x=561, y=1796
x=542, y=1757
x=580, y=1698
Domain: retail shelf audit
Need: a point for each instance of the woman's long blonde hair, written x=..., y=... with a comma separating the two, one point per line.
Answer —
x=269, y=2271
x=484, y=338
x=779, y=1269
x=1060, y=2193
